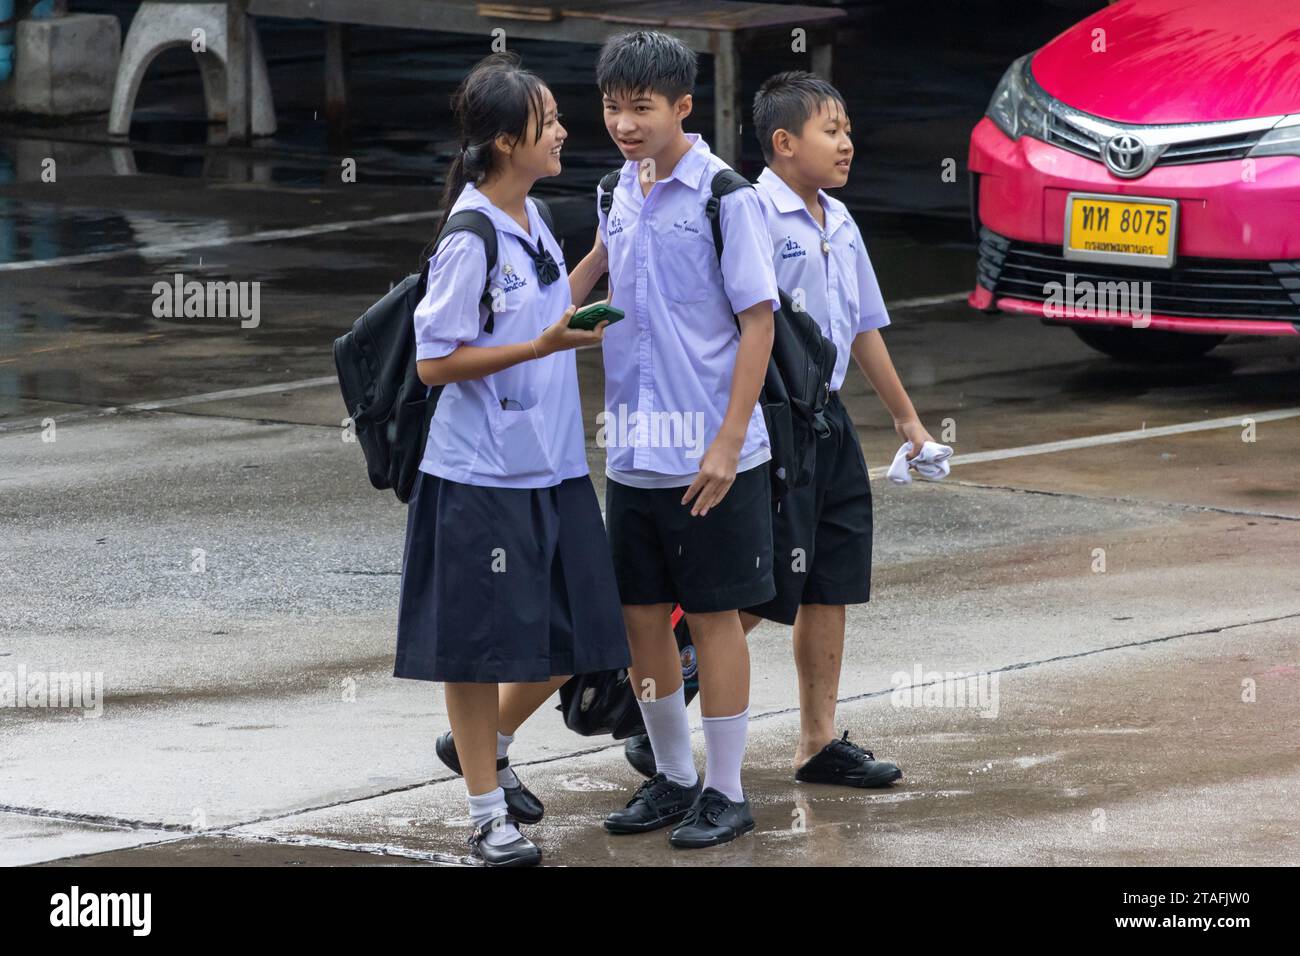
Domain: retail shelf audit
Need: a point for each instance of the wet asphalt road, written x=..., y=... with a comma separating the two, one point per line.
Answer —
x=224, y=564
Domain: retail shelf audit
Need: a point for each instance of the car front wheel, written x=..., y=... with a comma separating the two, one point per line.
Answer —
x=1121, y=342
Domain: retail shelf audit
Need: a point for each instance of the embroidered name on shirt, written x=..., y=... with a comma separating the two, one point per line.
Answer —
x=615, y=223
x=685, y=225
x=511, y=281
x=792, y=250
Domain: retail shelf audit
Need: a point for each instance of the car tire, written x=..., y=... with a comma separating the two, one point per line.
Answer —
x=1138, y=345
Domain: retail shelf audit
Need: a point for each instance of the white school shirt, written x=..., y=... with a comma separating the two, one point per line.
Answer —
x=537, y=440
x=669, y=363
x=838, y=284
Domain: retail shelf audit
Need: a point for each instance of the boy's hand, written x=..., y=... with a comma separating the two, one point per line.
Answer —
x=599, y=254
x=717, y=474
x=912, y=430
x=558, y=337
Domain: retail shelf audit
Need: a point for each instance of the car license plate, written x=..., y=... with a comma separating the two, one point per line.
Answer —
x=1109, y=229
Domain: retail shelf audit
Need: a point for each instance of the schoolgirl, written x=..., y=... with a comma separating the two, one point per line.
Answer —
x=506, y=573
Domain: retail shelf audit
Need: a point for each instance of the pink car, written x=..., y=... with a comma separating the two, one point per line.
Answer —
x=1138, y=178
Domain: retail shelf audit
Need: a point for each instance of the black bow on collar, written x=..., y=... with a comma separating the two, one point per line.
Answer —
x=547, y=269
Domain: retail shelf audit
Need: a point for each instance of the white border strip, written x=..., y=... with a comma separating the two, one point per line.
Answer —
x=1111, y=438
x=221, y=396
x=925, y=300
x=172, y=248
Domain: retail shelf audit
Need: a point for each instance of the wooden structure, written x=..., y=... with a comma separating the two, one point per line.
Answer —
x=722, y=29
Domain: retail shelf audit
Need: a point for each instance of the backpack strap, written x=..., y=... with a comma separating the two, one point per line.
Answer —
x=472, y=220
x=607, y=184
x=544, y=211
x=724, y=181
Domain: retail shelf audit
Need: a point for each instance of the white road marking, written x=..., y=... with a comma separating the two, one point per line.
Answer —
x=925, y=300
x=1110, y=438
x=273, y=235
x=163, y=404
x=229, y=393
x=1045, y=448
x=172, y=248
x=233, y=393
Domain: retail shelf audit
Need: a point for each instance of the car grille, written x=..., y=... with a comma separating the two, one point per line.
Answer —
x=1062, y=134
x=1211, y=149
x=1196, y=288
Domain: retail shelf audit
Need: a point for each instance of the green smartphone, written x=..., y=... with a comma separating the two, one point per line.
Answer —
x=589, y=317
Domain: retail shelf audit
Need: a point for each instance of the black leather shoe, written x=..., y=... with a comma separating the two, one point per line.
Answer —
x=519, y=852
x=657, y=803
x=522, y=803
x=849, y=765
x=639, y=755
x=713, y=819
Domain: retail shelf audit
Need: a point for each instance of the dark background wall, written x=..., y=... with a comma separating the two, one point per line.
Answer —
x=917, y=77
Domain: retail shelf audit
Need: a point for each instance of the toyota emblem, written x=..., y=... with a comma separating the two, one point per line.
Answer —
x=1126, y=155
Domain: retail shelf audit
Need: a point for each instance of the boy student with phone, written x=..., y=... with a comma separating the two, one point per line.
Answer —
x=506, y=573
x=684, y=527
x=815, y=246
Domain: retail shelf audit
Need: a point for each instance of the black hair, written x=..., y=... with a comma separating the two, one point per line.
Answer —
x=498, y=97
x=645, y=61
x=787, y=101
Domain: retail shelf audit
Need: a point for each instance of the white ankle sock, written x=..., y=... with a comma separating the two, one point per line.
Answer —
x=505, y=778
x=486, y=806
x=724, y=742
x=670, y=737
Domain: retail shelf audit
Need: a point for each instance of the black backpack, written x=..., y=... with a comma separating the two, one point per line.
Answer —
x=799, y=372
x=389, y=406
x=604, y=702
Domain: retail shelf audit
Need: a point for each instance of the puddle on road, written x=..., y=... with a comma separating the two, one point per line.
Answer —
x=581, y=783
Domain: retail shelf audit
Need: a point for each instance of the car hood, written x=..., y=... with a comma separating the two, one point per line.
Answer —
x=1175, y=61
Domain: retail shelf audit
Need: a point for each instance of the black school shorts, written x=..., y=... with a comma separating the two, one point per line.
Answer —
x=720, y=561
x=821, y=533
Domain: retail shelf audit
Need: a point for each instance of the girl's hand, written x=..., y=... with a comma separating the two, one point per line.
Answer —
x=558, y=337
x=913, y=431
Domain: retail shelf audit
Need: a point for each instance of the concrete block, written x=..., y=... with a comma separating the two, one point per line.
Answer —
x=63, y=66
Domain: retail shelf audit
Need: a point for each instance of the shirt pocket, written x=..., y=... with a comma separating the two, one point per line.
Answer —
x=685, y=266
x=519, y=436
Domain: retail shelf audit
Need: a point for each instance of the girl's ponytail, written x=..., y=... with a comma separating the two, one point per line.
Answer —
x=498, y=97
x=457, y=177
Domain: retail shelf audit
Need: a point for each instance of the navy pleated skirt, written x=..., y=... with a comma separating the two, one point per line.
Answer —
x=506, y=584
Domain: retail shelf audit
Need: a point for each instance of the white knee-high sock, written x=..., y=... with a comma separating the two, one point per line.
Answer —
x=724, y=741
x=670, y=737
x=486, y=806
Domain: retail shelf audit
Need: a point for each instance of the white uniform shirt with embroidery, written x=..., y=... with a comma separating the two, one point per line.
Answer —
x=827, y=271
x=536, y=439
x=669, y=363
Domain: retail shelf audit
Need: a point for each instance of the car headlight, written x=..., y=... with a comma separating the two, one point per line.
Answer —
x=1018, y=107
x=1282, y=140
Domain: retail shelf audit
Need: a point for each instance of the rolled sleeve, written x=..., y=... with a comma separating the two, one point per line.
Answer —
x=872, y=313
x=748, y=276
x=448, y=316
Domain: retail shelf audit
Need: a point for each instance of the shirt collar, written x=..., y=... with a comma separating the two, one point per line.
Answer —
x=689, y=169
x=471, y=198
x=787, y=200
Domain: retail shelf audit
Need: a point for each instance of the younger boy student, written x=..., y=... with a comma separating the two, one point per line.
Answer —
x=688, y=521
x=816, y=246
